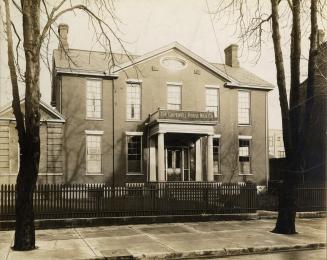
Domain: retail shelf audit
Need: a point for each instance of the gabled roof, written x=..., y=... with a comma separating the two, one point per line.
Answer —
x=99, y=63
x=237, y=76
x=87, y=61
x=54, y=115
x=174, y=45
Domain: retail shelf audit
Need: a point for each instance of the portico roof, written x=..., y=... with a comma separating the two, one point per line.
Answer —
x=179, y=121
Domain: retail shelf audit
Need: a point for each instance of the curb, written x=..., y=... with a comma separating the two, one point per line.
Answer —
x=110, y=221
x=206, y=254
x=265, y=214
x=231, y=252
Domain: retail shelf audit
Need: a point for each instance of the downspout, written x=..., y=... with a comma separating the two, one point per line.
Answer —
x=267, y=141
x=113, y=132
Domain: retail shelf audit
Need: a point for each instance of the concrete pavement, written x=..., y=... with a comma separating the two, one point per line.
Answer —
x=169, y=241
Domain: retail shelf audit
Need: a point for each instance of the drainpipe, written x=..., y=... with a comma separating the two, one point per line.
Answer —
x=113, y=132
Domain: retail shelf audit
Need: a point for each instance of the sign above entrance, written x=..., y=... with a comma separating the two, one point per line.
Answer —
x=186, y=115
x=180, y=115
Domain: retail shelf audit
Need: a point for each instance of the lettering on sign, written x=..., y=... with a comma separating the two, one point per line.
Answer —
x=187, y=115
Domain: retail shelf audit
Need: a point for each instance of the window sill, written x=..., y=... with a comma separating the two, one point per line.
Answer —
x=134, y=174
x=133, y=120
x=50, y=174
x=244, y=125
x=94, y=174
x=94, y=119
x=245, y=174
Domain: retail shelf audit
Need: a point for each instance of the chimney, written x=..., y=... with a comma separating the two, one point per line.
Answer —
x=321, y=36
x=63, y=32
x=231, y=56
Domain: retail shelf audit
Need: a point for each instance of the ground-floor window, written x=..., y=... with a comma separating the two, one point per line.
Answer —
x=216, y=158
x=93, y=154
x=244, y=156
x=134, y=154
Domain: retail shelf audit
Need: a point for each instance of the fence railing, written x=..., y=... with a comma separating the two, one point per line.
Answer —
x=56, y=201
x=309, y=197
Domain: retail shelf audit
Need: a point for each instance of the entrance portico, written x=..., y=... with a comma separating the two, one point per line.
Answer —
x=176, y=151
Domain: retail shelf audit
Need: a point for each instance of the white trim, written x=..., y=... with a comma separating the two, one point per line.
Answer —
x=174, y=83
x=211, y=86
x=134, y=174
x=94, y=132
x=216, y=136
x=175, y=58
x=135, y=81
x=71, y=71
x=181, y=48
x=47, y=107
x=245, y=137
x=8, y=174
x=237, y=85
x=94, y=174
x=133, y=133
x=50, y=174
x=94, y=119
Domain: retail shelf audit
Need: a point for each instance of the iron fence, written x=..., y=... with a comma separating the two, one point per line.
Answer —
x=57, y=201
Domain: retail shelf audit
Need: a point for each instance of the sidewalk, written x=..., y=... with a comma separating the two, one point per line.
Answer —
x=169, y=241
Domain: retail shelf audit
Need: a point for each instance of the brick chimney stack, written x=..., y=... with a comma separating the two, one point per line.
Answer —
x=321, y=36
x=231, y=56
x=63, y=32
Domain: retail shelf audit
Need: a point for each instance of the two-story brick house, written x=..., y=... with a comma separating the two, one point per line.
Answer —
x=168, y=115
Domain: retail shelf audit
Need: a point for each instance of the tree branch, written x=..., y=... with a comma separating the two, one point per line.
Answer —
x=20, y=126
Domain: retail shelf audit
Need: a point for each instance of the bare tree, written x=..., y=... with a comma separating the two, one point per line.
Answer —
x=28, y=121
x=253, y=21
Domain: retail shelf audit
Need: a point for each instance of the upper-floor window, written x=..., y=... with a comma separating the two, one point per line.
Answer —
x=174, y=97
x=93, y=98
x=244, y=156
x=244, y=107
x=212, y=100
x=93, y=153
x=134, y=154
x=133, y=101
x=216, y=157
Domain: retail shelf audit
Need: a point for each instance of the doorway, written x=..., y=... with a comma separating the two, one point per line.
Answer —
x=177, y=164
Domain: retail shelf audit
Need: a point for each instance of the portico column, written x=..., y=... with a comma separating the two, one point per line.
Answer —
x=198, y=161
x=153, y=176
x=161, y=157
x=209, y=159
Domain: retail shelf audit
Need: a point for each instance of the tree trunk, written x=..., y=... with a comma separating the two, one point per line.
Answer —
x=309, y=115
x=30, y=145
x=286, y=210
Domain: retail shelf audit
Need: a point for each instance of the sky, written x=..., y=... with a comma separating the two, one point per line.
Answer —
x=146, y=25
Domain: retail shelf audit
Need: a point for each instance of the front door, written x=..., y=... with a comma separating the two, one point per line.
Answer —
x=177, y=164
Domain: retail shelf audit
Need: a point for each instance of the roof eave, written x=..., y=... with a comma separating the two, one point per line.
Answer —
x=100, y=74
x=259, y=87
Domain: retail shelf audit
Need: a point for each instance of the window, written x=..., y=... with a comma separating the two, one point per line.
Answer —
x=212, y=100
x=134, y=154
x=93, y=99
x=281, y=154
x=216, y=158
x=133, y=101
x=243, y=107
x=93, y=154
x=244, y=156
x=173, y=97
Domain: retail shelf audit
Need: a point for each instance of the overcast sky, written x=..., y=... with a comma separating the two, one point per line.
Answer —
x=150, y=24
